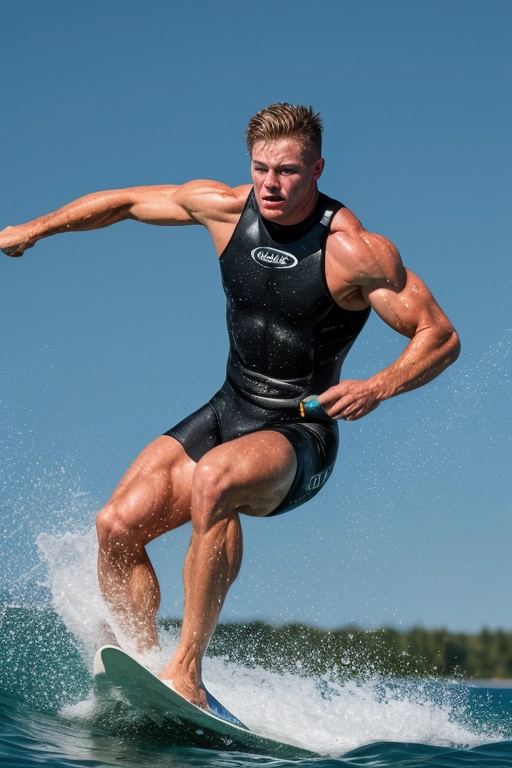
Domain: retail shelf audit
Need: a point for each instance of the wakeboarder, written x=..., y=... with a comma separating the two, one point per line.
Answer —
x=301, y=275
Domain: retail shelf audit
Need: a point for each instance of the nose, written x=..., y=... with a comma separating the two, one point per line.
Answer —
x=271, y=179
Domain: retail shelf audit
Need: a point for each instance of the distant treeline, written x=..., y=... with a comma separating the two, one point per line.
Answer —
x=353, y=652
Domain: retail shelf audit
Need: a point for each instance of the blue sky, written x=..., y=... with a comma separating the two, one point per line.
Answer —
x=110, y=337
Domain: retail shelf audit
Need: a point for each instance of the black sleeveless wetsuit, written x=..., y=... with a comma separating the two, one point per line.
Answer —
x=288, y=339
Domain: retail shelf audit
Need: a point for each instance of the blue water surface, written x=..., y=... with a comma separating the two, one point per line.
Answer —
x=49, y=716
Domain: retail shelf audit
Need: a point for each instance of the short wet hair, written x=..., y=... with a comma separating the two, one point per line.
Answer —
x=283, y=121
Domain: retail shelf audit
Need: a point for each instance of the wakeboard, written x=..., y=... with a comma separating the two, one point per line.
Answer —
x=189, y=724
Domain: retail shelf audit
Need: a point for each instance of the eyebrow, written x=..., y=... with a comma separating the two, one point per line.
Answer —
x=281, y=165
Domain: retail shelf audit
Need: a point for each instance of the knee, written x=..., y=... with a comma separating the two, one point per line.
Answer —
x=112, y=528
x=211, y=490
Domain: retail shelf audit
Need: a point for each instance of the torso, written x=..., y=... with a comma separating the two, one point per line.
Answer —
x=341, y=276
x=288, y=336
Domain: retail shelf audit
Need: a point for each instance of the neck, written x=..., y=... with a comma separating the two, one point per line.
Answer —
x=288, y=233
x=305, y=210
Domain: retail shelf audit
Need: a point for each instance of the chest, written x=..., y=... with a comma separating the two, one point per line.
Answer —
x=286, y=280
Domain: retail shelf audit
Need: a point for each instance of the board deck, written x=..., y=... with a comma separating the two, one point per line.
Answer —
x=191, y=725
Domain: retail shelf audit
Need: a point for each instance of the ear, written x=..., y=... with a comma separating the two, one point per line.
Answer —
x=318, y=168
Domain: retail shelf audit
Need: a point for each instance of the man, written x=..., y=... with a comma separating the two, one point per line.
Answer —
x=300, y=275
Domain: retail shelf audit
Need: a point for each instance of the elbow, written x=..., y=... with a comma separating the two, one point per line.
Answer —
x=452, y=346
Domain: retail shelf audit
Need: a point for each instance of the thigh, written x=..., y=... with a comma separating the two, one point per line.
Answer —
x=154, y=495
x=316, y=448
x=251, y=474
x=198, y=433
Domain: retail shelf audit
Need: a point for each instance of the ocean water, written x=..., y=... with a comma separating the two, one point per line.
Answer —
x=50, y=715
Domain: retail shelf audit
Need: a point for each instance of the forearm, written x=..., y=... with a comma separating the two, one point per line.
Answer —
x=427, y=355
x=94, y=211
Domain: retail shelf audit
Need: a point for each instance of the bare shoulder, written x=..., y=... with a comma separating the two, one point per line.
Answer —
x=214, y=205
x=212, y=201
x=363, y=258
x=195, y=202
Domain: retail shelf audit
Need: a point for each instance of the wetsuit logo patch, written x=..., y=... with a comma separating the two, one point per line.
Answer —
x=273, y=259
x=317, y=481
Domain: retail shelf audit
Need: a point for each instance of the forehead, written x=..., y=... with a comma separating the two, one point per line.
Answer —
x=281, y=152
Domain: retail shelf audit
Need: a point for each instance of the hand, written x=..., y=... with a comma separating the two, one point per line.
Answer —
x=349, y=400
x=14, y=241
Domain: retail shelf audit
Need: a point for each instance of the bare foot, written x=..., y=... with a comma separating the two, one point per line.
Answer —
x=188, y=687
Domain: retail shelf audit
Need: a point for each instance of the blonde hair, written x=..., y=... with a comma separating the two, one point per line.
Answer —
x=282, y=121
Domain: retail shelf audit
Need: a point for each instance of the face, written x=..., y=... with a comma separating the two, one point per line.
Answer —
x=285, y=177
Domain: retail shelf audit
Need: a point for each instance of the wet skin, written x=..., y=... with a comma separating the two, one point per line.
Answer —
x=164, y=488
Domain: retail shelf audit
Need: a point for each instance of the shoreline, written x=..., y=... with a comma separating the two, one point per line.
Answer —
x=492, y=683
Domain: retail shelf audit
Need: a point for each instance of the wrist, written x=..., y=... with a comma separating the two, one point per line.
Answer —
x=379, y=387
x=36, y=230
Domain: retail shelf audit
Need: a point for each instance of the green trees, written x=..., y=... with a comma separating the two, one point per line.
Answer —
x=350, y=652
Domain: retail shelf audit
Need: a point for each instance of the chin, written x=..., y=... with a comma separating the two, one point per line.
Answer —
x=272, y=213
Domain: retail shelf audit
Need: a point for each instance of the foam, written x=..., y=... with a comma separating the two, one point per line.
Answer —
x=319, y=714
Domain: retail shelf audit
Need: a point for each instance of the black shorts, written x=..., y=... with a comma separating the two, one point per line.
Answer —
x=228, y=416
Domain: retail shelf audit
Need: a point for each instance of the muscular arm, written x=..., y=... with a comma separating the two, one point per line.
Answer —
x=196, y=202
x=404, y=302
x=433, y=344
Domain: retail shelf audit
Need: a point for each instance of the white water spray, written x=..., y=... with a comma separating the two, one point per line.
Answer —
x=325, y=717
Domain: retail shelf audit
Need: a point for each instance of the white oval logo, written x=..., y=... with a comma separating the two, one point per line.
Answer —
x=274, y=259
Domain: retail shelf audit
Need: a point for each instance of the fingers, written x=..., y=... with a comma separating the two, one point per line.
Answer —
x=349, y=400
x=13, y=251
x=14, y=241
x=355, y=412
